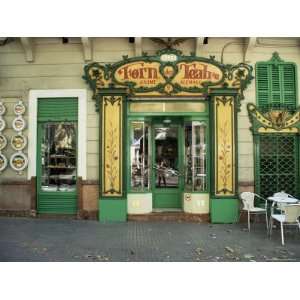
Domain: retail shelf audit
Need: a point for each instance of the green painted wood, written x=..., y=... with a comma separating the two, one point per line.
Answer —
x=112, y=210
x=277, y=164
x=168, y=197
x=56, y=109
x=224, y=210
x=57, y=202
x=276, y=84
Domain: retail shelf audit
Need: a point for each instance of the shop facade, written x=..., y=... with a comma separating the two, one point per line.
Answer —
x=115, y=133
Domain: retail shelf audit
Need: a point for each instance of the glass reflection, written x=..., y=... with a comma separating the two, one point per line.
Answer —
x=139, y=156
x=166, y=157
x=58, y=157
x=195, y=156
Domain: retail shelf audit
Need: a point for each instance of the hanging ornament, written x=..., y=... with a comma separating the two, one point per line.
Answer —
x=3, y=139
x=3, y=162
x=2, y=124
x=18, y=161
x=18, y=142
x=19, y=124
x=19, y=108
x=2, y=109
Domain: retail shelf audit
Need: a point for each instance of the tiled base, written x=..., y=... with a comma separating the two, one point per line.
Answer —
x=177, y=216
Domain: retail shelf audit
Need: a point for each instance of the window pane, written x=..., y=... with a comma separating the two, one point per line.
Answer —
x=59, y=157
x=195, y=156
x=166, y=157
x=139, y=156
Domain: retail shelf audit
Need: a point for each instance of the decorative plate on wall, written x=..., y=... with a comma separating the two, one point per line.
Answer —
x=19, y=123
x=19, y=108
x=3, y=142
x=18, y=142
x=18, y=161
x=2, y=109
x=3, y=162
x=2, y=124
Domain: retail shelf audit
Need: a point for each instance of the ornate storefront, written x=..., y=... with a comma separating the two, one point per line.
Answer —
x=168, y=134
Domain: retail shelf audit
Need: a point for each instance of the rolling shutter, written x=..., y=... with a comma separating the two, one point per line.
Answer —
x=58, y=109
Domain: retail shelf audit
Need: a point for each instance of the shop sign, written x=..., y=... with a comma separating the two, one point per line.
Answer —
x=150, y=75
x=168, y=73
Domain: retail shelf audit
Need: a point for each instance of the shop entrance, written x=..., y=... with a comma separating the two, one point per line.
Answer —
x=168, y=155
x=167, y=163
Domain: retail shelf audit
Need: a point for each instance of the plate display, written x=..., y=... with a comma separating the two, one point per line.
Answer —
x=2, y=109
x=19, y=108
x=2, y=124
x=18, y=142
x=19, y=124
x=18, y=161
x=3, y=141
x=3, y=162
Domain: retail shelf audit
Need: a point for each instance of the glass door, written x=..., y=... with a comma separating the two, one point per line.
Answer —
x=57, y=167
x=167, y=165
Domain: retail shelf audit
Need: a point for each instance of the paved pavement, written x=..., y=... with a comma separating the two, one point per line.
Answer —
x=25, y=239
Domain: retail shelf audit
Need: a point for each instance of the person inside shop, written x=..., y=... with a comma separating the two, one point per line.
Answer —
x=161, y=172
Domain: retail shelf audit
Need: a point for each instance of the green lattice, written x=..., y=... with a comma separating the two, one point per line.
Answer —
x=277, y=164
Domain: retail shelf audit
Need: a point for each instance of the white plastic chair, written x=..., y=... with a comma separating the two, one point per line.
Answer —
x=248, y=202
x=290, y=217
x=282, y=194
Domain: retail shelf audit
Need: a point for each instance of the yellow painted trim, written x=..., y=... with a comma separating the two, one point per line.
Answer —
x=112, y=126
x=224, y=146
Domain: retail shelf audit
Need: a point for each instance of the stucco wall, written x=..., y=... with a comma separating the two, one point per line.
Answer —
x=60, y=66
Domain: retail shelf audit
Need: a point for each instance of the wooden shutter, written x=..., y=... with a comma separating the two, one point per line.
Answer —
x=276, y=84
x=262, y=84
x=289, y=85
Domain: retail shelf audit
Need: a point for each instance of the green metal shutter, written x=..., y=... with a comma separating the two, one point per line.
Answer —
x=277, y=164
x=58, y=109
x=55, y=110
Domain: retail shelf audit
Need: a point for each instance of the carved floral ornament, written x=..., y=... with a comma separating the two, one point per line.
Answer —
x=168, y=73
x=275, y=120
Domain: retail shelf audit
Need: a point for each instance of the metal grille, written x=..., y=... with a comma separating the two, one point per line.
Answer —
x=277, y=164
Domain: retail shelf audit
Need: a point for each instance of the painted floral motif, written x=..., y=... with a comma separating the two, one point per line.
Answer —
x=225, y=156
x=112, y=162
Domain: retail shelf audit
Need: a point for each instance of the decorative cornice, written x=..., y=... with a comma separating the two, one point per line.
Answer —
x=168, y=73
x=274, y=120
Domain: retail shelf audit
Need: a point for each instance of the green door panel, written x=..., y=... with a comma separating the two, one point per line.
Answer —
x=167, y=164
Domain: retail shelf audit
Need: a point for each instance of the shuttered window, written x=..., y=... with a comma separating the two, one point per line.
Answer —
x=276, y=85
x=58, y=109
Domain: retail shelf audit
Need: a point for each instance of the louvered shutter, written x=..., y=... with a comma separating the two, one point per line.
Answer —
x=289, y=85
x=262, y=84
x=274, y=75
x=276, y=85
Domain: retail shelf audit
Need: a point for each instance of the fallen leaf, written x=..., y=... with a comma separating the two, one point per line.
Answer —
x=229, y=249
x=249, y=256
x=199, y=251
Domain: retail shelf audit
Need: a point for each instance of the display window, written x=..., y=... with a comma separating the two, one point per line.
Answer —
x=58, y=157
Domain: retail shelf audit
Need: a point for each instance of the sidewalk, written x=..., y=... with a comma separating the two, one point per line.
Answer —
x=25, y=239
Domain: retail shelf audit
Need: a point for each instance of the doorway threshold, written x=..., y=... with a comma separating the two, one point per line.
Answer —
x=162, y=210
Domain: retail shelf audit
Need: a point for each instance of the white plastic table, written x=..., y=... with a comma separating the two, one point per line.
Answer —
x=282, y=200
x=285, y=200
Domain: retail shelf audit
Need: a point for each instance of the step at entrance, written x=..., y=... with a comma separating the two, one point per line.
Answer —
x=171, y=215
